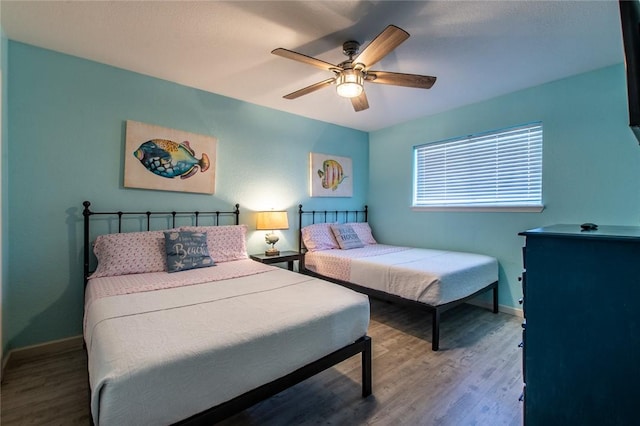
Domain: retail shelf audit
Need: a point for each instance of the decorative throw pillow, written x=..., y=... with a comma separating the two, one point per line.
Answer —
x=364, y=232
x=129, y=253
x=186, y=250
x=226, y=242
x=346, y=237
x=319, y=237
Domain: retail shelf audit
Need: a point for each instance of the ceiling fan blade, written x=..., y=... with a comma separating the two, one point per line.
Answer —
x=390, y=38
x=310, y=89
x=400, y=79
x=360, y=103
x=290, y=54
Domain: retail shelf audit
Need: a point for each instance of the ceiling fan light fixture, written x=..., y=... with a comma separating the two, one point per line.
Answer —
x=349, y=76
x=349, y=83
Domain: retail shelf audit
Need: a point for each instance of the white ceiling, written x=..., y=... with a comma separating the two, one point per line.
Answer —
x=477, y=49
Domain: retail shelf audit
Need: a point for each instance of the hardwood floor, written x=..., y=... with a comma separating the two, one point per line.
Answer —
x=475, y=379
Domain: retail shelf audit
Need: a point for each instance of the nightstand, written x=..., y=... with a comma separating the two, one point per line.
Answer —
x=284, y=256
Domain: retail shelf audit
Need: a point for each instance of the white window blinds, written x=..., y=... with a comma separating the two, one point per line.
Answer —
x=496, y=169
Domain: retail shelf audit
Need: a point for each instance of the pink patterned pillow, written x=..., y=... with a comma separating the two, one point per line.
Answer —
x=319, y=237
x=129, y=253
x=226, y=243
x=364, y=232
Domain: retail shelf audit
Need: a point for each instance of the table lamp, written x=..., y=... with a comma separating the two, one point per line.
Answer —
x=271, y=221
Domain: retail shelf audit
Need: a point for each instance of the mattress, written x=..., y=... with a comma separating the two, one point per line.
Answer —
x=433, y=277
x=159, y=356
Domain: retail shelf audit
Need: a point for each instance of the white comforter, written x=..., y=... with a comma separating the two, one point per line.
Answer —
x=434, y=277
x=156, y=357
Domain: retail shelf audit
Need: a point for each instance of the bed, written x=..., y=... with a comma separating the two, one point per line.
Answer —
x=180, y=327
x=338, y=246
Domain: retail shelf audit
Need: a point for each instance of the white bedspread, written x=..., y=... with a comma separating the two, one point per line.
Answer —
x=157, y=357
x=434, y=277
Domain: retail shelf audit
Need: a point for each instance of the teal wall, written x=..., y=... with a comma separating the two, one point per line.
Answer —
x=4, y=271
x=63, y=142
x=591, y=170
x=66, y=141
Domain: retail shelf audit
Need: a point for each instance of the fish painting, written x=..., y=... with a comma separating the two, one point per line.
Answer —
x=331, y=174
x=171, y=159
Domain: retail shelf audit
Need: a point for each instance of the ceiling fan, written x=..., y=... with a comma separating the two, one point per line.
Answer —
x=350, y=75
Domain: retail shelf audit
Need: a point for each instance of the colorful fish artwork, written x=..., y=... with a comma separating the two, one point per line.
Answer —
x=170, y=159
x=331, y=174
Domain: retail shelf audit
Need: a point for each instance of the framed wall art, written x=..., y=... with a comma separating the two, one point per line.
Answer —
x=169, y=160
x=330, y=175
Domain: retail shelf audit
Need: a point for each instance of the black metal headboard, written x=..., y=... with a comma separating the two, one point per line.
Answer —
x=167, y=217
x=324, y=216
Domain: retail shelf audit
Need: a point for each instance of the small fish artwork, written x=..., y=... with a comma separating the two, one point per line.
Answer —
x=170, y=159
x=331, y=174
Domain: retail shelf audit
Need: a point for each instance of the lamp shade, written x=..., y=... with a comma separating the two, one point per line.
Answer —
x=272, y=220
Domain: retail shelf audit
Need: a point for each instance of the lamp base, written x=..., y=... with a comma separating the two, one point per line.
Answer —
x=272, y=252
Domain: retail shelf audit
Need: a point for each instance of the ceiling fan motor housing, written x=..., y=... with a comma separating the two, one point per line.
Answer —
x=350, y=48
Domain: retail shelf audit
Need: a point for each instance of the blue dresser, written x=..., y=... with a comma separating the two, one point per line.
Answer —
x=581, y=335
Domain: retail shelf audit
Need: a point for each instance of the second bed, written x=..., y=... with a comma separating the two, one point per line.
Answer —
x=436, y=280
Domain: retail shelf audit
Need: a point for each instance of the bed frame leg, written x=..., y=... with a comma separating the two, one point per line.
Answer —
x=366, y=368
x=495, y=299
x=435, y=339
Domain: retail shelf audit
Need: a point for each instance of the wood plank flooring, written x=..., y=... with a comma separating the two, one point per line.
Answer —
x=475, y=379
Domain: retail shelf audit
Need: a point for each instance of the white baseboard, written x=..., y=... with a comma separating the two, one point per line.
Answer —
x=517, y=312
x=43, y=349
x=5, y=360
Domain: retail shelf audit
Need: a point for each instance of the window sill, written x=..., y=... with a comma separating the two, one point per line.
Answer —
x=510, y=209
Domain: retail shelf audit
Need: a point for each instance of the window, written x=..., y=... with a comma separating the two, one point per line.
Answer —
x=495, y=170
